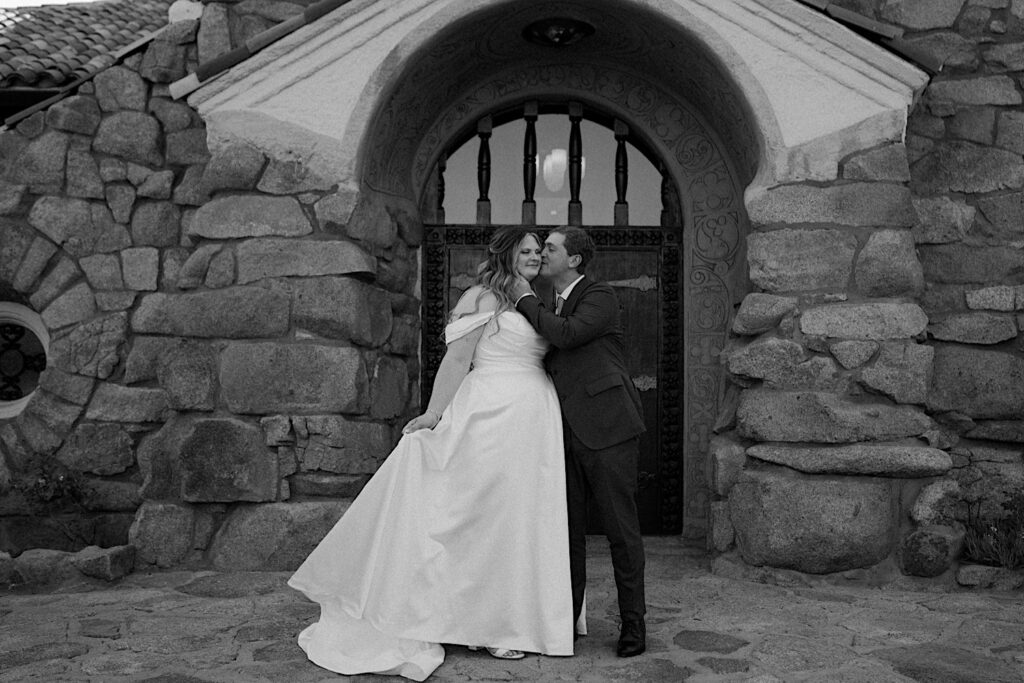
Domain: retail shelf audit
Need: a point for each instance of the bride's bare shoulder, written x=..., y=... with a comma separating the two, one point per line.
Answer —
x=476, y=299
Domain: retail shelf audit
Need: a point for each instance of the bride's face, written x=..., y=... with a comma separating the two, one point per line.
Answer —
x=528, y=258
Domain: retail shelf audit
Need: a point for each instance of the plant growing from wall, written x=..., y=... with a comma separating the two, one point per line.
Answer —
x=996, y=539
x=49, y=488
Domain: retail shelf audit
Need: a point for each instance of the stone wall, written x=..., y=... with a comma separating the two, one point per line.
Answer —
x=880, y=357
x=966, y=144
x=234, y=340
x=235, y=337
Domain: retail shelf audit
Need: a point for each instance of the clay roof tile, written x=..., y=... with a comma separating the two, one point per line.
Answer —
x=58, y=44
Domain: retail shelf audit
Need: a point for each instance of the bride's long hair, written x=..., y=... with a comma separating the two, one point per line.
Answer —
x=498, y=273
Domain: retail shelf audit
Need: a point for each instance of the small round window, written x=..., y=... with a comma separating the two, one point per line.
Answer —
x=24, y=342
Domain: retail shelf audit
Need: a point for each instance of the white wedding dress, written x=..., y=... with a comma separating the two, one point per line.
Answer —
x=461, y=535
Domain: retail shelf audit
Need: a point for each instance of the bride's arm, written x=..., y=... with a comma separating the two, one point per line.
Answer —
x=453, y=369
x=457, y=358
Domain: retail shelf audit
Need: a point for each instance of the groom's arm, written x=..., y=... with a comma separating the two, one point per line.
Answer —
x=595, y=314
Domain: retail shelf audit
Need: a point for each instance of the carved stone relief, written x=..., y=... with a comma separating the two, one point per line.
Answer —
x=498, y=65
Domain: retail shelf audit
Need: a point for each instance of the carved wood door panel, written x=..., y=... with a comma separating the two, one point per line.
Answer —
x=643, y=264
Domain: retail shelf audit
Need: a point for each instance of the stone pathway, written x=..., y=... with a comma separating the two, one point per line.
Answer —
x=189, y=627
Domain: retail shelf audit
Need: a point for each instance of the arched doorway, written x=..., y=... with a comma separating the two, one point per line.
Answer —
x=704, y=253
x=432, y=107
x=576, y=167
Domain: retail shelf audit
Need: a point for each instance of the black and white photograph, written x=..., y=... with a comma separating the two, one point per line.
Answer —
x=512, y=340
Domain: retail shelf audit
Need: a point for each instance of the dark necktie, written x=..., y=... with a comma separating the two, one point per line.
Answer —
x=558, y=305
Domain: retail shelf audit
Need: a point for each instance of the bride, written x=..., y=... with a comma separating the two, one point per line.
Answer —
x=461, y=535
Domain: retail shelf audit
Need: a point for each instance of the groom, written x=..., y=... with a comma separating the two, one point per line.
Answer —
x=601, y=417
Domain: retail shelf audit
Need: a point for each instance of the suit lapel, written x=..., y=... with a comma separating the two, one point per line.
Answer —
x=574, y=296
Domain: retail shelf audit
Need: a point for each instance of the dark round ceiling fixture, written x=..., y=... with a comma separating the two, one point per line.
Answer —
x=557, y=31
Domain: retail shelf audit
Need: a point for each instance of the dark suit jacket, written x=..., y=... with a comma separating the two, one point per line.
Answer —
x=587, y=364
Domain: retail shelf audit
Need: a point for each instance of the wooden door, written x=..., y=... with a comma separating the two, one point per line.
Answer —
x=643, y=264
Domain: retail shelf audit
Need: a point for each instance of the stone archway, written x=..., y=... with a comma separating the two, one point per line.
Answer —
x=713, y=218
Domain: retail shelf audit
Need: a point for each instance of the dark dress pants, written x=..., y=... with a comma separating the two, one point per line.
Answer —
x=608, y=477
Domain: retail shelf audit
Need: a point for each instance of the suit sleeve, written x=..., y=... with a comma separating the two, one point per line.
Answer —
x=595, y=314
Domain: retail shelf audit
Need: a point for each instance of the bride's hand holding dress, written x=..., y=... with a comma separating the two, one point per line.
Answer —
x=427, y=420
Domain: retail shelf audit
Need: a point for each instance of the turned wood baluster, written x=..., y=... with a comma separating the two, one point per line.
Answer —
x=530, y=164
x=621, y=174
x=483, y=171
x=575, y=164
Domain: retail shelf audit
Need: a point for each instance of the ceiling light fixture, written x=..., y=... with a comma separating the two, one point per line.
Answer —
x=557, y=31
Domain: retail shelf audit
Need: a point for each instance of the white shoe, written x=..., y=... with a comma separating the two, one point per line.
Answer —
x=500, y=652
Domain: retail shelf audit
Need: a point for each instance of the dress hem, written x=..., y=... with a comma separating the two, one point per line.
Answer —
x=357, y=615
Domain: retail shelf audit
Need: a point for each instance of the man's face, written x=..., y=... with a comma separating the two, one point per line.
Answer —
x=555, y=260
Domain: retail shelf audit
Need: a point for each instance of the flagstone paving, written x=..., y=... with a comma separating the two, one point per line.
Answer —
x=703, y=626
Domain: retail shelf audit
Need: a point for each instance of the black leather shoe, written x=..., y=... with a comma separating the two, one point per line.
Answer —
x=632, y=638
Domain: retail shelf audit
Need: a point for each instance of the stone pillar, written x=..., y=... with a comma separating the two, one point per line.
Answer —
x=836, y=379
